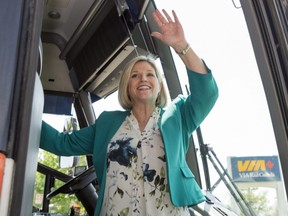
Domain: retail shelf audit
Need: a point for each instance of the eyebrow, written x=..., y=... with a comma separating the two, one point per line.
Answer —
x=149, y=70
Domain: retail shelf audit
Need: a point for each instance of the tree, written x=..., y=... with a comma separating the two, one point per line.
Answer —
x=62, y=202
x=259, y=202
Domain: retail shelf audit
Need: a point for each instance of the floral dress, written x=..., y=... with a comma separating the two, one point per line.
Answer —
x=136, y=182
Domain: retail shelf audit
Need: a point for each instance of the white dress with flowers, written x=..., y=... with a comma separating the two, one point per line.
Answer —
x=136, y=182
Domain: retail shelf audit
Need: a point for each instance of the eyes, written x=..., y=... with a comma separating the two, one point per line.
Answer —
x=138, y=75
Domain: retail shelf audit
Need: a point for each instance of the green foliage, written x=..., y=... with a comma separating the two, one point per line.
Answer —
x=61, y=203
x=259, y=202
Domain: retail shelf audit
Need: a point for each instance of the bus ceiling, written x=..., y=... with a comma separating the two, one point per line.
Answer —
x=84, y=54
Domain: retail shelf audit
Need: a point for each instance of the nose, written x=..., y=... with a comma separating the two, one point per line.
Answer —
x=143, y=77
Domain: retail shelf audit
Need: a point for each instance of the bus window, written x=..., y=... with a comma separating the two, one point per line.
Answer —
x=239, y=128
x=62, y=203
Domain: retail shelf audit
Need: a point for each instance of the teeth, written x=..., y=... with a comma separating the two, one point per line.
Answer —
x=143, y=87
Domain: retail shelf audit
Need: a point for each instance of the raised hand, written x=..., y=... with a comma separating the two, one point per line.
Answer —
x=172, y=32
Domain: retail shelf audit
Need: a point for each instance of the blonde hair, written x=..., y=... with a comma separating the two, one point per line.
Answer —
x=123, y=94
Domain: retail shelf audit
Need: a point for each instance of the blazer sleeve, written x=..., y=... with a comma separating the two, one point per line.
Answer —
x=67, y=144
x=202, y=98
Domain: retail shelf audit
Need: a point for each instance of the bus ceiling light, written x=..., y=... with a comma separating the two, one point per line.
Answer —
x=54, y=14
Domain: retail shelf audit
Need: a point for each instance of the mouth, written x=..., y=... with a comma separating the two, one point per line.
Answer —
x=143, y=87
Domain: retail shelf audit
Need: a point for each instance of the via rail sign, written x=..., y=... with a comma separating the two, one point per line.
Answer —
x=255, y=169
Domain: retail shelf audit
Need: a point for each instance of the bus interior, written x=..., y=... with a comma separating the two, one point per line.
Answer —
x=62, y=57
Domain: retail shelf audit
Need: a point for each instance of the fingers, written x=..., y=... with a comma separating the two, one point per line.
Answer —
x=156, y=16
x=167, y=16
x=161, y=20
x=175, y=16
x=156, y=35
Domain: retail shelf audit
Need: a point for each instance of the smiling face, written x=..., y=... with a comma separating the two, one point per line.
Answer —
x=143, y=85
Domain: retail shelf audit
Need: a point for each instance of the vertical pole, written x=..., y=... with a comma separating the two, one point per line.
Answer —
x=204, y=153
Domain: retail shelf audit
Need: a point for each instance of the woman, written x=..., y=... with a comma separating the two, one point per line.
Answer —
x=140, y=154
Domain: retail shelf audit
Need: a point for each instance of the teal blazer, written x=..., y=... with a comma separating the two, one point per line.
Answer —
x=176, y=124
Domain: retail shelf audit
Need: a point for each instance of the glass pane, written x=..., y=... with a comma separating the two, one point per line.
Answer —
x=240, y=124
x=61, y=203
x=109, y=103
